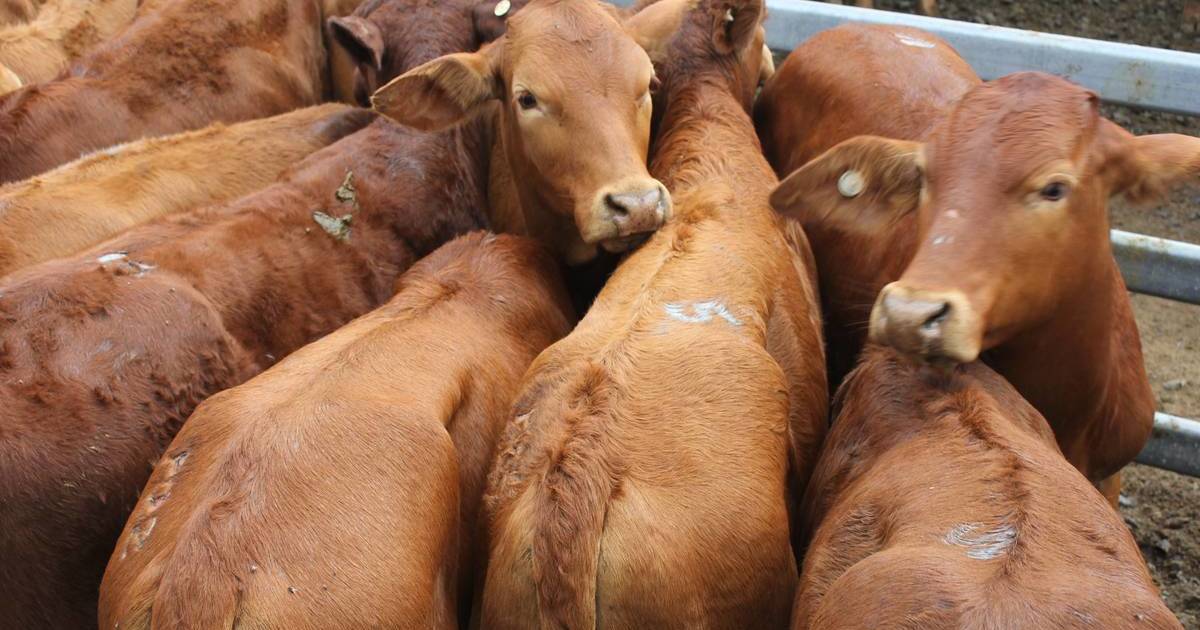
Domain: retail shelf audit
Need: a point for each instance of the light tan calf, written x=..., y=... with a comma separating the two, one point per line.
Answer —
x=62, y=31
x=82, y=203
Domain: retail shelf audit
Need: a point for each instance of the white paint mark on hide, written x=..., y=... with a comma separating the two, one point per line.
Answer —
x=700, y=312
x=909, y=40
x=982, y=544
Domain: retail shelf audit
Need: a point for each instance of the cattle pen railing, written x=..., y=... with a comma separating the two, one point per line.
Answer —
x=1137, y=76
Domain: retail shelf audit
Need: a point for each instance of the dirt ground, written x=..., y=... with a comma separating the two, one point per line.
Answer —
x=1161, y=508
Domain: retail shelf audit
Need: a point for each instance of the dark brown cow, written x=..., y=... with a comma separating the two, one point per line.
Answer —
x=1010, y=253
x=903, y=80
x=941, y=502
x=646, y=478
x=339, y=488
x=573, y=89
x=182, y=66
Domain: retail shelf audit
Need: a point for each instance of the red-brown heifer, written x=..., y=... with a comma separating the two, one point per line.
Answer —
x=181, y=66
x=942, y=502
x=647, y=477
x=339, y=488
x=903, y=81
x=1009, y=253
x=573, y=124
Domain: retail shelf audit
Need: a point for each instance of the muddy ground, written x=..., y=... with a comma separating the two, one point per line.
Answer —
x=1162, y=509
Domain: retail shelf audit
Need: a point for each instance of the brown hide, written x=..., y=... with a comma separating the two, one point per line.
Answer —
x=182, y=66
x=62, y=31
x=17, y=11
x=570, y=162
x=339, y=488
x=100, y=362
x=94, y=198
x=902, y=81
x=647, y=476
x=942, y=502
x=1044, y=283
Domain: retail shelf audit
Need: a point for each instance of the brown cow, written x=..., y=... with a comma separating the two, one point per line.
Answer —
x=574, y=124
x=103, y=355
x=62, y=31
x=646, y=478
x=339, y=488
x=903, y=81
x=941, y=501
x=1051, y=288
x=94, y=198
x=182, y=66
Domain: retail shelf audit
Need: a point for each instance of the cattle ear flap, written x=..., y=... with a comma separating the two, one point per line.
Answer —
x=440, y=93
x=736, y=25
x=655, y=25
x=860, y=184
x=1146, y=168
x=360, y=37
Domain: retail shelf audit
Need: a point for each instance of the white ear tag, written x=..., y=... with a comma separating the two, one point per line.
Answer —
x=502, y=8
x=728, y=15
x=851, y=184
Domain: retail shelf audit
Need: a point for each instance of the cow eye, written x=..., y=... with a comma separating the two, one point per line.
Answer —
x=526, y=100
x=1055, y=191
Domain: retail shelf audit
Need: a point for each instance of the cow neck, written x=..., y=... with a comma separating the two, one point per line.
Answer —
x=702, y=124
x=1083, y=365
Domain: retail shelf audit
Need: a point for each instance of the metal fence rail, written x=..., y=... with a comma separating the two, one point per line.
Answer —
x=1150, y=78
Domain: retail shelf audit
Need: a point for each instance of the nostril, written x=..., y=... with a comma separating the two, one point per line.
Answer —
x=616, y=206
x=938, y=316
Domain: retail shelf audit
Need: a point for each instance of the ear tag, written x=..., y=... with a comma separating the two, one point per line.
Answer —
x=502, y=8
x=728, y=15
x=851, y=184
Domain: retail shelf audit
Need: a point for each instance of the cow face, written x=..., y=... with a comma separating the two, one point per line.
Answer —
x=1011, y=194
x=574, y=92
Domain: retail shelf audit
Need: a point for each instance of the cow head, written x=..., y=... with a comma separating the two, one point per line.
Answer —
x=383, y=39
x=1011, y=193
x=721, y=39
x=574, y=122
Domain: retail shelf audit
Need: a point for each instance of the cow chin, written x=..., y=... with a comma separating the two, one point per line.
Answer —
x=934, y=327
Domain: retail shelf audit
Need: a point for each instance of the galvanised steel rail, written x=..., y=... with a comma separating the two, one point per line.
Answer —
x=1149, y=78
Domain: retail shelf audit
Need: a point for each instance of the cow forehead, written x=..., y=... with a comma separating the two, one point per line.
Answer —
x=570, y=38
x=1004, y=131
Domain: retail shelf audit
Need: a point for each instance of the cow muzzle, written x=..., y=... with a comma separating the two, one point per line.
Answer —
x=623, y=216
x=932, y=326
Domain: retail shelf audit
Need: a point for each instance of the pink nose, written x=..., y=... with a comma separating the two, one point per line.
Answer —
x=636, y=212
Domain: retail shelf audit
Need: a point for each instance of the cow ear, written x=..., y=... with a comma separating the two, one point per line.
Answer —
x=360, y=37
x=440, y=93
x=1146, y=168
x=860, y=184
x=736, y=25
x=654, y=26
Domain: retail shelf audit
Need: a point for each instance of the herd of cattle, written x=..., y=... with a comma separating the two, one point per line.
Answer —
x=261, y=367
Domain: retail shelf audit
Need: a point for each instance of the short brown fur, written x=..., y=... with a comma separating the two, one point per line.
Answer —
x=79, y=204
x=100, y=362
x=647, y=476
x=942, y=502
x=62, y=31
x=183, y=65
x=339, y=488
